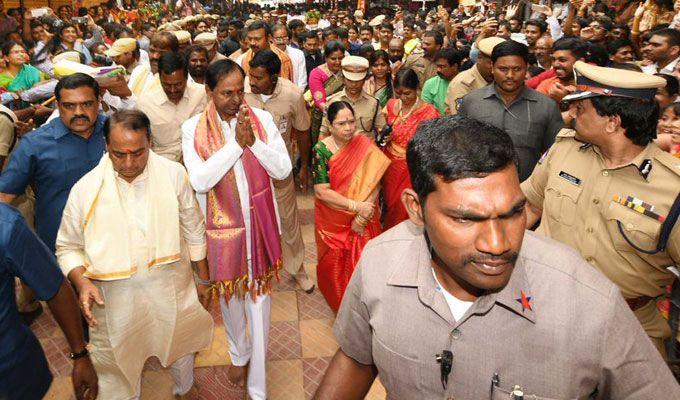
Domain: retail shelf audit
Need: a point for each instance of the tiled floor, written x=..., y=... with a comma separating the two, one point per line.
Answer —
x=301, y=344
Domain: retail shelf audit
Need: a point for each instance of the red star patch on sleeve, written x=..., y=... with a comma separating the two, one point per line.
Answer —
x=524, y=301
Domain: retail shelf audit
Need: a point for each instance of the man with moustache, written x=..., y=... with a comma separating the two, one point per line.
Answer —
x=422, y=61
x=310, y=47
x=566, y=52
x=259, y=37
x=543, y=52
x=474, y=78
x=531, y=119
x=606, y=189
x=460, y=301
x=434, y=90
x=160, y=43
x=281, y=37
x=232, y=153
x=170, y=104
x=396, y=53
x=663, y=48
x=208, y=41
x=197, y=63
x=284, y=101
x=55, y=156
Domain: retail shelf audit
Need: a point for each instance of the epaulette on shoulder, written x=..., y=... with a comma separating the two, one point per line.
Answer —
x=565, y=133
x=669, y=161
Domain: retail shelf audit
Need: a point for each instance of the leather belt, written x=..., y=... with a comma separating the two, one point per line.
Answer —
x=638, y=302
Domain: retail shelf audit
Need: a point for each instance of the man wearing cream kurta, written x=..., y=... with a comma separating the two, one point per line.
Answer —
x=171, y=103
x=130, y=232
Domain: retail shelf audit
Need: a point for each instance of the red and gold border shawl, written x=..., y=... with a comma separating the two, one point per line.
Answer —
x=225, y=227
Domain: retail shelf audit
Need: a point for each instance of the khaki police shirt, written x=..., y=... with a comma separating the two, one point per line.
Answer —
x=365, y=110
x=574, y=337
x=462, y=84
x=425, y=68
x=576, y=192
x=6, y=134
x=288, y=109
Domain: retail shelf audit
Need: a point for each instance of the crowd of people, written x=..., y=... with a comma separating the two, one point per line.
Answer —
x=152, y=154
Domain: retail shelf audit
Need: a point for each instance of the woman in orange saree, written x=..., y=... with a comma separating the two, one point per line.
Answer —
x=347, y=171
x=404, y=114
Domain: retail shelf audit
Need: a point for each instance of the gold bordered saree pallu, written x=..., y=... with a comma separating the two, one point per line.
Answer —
x=225, y=226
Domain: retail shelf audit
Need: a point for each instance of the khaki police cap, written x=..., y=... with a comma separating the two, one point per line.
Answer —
x=377, y=20
x=593, y=81
x=486, y=45
x=215, y=16
x=205, y=39
x=354, y=68
x=122, y=46
x=182, y=36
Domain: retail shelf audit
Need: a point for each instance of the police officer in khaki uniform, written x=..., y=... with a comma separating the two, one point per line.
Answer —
x=461, y=302
x=605, y=188
x=422, y=60
x=367, y=113
x=284, y=101
x=474, y=78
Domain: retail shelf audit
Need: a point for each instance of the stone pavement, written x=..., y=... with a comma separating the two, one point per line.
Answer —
x=301, y=343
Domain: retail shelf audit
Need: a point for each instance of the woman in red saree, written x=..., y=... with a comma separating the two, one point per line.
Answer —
x=347, y=171
x=404, y=114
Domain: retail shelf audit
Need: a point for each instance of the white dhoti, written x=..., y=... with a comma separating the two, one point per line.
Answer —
x=136, y=240
x=154, y=313
x=252, y=349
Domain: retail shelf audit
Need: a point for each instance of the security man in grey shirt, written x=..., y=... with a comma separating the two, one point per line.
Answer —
x=530, y=118
x=460, y=302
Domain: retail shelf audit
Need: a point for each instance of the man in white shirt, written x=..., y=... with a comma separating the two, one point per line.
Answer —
x=281, y=36
x=664, y=49
x=232, y=152
x=171, y=103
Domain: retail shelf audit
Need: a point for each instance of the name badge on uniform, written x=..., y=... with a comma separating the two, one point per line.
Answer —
x=283, y=126
x=570, y=178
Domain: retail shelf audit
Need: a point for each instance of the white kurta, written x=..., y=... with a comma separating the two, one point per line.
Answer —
x=204, y=175
x=155, y=312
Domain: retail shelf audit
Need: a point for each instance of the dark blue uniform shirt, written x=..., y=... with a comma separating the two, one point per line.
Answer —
x=24, y=373
x=52, y=159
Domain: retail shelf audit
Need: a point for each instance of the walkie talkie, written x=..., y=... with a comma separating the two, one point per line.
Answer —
x=445, y=360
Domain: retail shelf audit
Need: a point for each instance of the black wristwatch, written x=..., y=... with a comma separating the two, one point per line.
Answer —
x=80, y=354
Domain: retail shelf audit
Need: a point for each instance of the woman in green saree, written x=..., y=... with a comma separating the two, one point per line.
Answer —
x=18, y=74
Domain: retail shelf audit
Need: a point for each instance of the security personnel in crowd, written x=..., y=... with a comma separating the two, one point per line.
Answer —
x=474, y=78
x=606, y=189
x=367, y=113
x=461, y=302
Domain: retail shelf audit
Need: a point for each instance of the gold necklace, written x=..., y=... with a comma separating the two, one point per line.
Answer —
x=408, y=114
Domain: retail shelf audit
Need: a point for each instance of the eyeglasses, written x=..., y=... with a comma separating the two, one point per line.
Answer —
x=280, y=39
